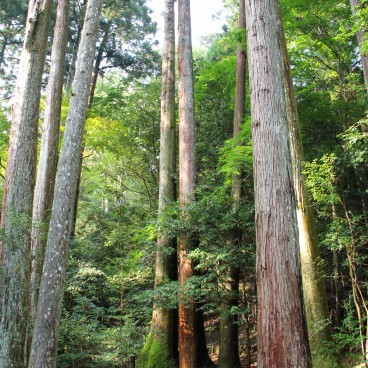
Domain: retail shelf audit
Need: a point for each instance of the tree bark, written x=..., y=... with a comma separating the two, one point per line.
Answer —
x=18, y=188
x=313, y=278
x=73, y=61
x=190, y=353
x=164, y=331
x=282, y=333
x=71, y=71
x=47, y=165
x=360, y=36
x=99, y=57
x=44, y=341
x=229, y=341
x=4, y=44
x=77, y=191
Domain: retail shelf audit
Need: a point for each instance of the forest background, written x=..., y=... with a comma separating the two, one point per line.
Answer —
x=107, y=306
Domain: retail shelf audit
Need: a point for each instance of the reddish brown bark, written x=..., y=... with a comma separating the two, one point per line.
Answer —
x=281, y=327
x=192, y=349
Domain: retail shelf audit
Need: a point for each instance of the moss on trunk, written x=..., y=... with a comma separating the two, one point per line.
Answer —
x=155, y=354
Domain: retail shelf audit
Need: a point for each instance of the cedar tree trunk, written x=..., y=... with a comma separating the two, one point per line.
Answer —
x=15, y=255
x=192, y=348
x=282, y=332
x=314, y=289
x=99, y=57
x=162, y=344
x=47, y=164
x=44, y=341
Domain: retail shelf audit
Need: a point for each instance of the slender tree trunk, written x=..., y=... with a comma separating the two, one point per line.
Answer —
x=44, y=341
x=336, y=284
x=4, y=45
x=282, y=332
x=164, y=321
x=96, y=69
x=314, y=289
x=192, y=353
x=77, y=191
x=360, y=36
x=73, y=61
x=361, y=173
x=71, y=72
x=248, y=347
x=229, y=341
x=359, y=298
x=18, y=189
x=47, y=165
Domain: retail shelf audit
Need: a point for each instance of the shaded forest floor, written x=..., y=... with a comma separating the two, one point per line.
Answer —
x=212, y=325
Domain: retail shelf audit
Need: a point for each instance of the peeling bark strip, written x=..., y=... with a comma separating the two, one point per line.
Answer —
x=18, y=188
x=47, y=165
x=282, y=335
x=43, y=348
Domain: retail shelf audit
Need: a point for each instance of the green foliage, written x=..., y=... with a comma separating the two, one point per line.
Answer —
x=126, y=41
x=165, y=295
x=329, y=84
x=348, y=334
x=212, y=220
x=108, y=292
x=355, y=140
x=320, y=180
x=12, y=20
x=4, y=138
x=98, y=328
x=325, y=361
x=236, y=156
x=214, y=100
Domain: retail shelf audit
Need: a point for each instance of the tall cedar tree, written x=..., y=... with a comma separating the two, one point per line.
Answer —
x=228, y=350
x=192, y=346
x=44, y=341
x=360, y=36
x=18, y=188
x=282, y=332
x=47, y=165
x=314, y=289
x=188, y=333
x=162, y=344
